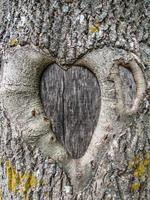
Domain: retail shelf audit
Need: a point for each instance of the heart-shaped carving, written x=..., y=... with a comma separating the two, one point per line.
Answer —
x=25, y=65
x=71, y=101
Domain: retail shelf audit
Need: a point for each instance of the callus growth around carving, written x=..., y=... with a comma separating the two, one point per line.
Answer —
x=22, y=70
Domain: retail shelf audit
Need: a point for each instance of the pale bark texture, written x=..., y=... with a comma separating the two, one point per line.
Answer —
x=79, y=70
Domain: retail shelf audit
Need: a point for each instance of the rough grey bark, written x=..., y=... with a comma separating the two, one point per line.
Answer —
x=68, y=30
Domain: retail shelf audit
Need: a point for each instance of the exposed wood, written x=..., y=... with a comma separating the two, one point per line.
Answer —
x=128, y=87
x=71, y=101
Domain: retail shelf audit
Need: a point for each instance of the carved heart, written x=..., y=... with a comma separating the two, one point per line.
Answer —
x=71, y=101
x=24, y=65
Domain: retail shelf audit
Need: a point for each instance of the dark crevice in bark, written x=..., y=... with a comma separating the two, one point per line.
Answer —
x=63, y=111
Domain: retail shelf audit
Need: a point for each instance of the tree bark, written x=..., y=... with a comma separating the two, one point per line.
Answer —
x=75, y=32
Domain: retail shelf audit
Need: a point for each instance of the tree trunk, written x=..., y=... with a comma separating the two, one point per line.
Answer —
x=108, y=43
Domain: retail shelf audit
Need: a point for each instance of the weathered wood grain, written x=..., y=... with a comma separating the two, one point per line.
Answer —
x=71, y=100
x=128, y=87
